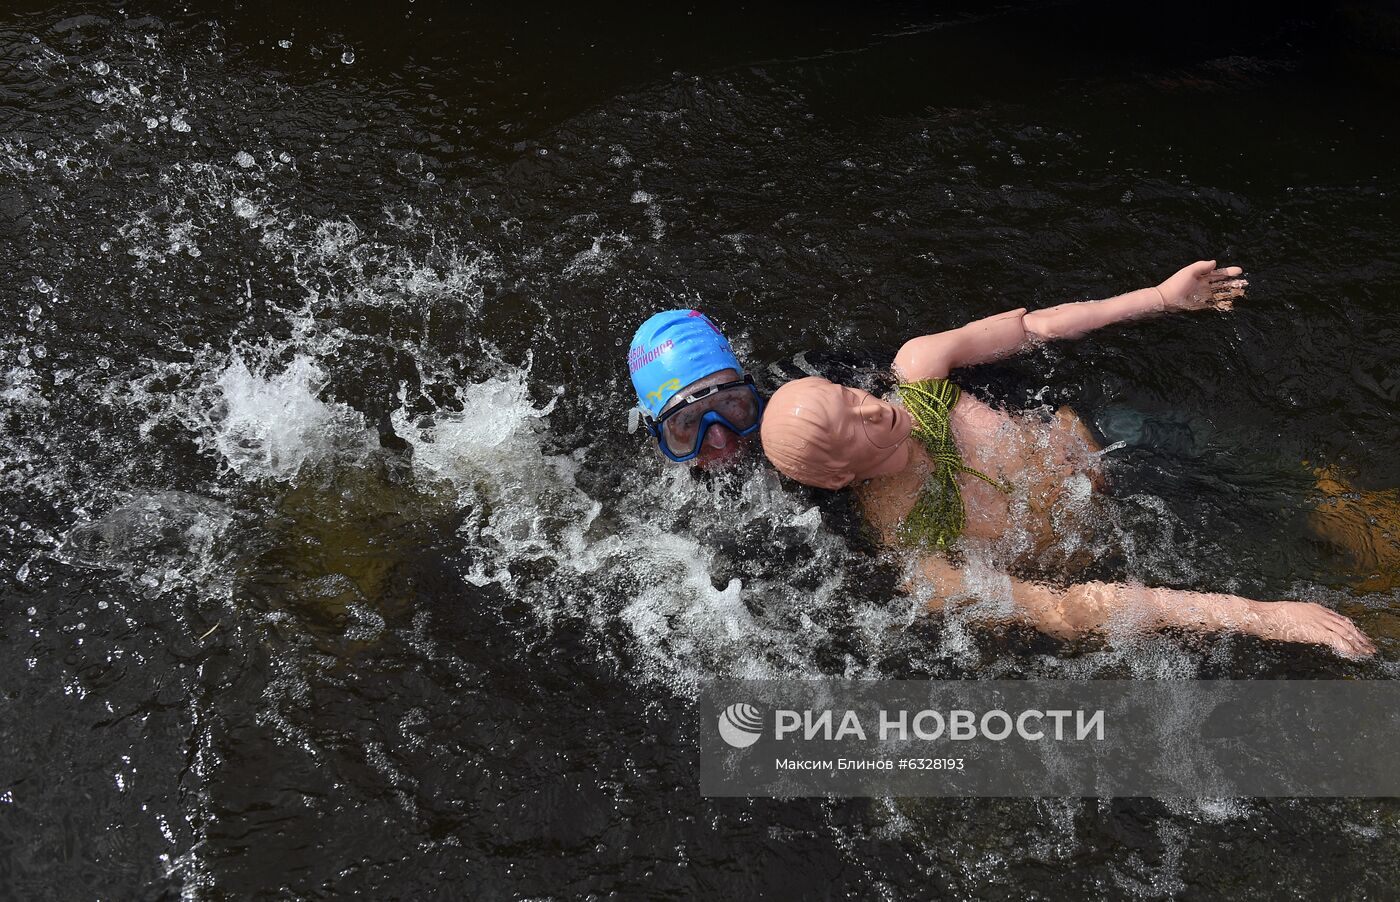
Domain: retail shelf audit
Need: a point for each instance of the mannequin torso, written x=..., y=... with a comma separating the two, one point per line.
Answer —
x=1040, y=459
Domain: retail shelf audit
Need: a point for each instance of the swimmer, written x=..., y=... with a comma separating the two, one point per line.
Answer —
x=937, y=464
x=695, y=398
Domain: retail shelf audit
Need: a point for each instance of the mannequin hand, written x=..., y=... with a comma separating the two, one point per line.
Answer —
x=1301, y=621
x=1201, y=286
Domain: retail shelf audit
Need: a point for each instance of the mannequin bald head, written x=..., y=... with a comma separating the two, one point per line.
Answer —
x=829, y=436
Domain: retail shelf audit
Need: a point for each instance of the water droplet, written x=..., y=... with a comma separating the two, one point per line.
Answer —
x=102, y=605
x=44, y=287
x=244, y=159
x=284, y=44
x=178, y=123
x=101, y=68
x=105, y=246
x=284, y=157
x=244, y=207
x=151, y=122
x=39, y=351
x=348, y=57
x=194, y=252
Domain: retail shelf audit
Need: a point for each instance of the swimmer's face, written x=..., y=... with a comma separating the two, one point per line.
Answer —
x=721, y=445
x=830, y=435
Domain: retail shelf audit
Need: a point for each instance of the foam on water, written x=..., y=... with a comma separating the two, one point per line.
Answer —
x=642, y=559
x=266, y=426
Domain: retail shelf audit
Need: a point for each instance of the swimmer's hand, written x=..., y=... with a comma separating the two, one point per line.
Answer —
x=1201, y=286
x=1301, y=621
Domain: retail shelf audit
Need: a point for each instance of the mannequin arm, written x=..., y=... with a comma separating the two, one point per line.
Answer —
x=1092, y=607
x=1193, y=287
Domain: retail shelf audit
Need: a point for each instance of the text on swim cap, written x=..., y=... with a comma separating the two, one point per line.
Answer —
x=639, y=356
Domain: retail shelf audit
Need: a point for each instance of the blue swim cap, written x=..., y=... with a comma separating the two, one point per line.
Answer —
x=673, y=349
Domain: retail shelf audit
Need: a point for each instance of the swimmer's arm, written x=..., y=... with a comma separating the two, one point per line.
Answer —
x=1193, y=287
x=1094, y=607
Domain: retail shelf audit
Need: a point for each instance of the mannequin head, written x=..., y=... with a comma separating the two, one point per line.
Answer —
x=829, y=436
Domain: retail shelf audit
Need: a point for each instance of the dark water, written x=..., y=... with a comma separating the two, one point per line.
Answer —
x=328, y=567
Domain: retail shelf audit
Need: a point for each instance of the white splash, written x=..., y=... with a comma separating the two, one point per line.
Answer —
x=267, y=425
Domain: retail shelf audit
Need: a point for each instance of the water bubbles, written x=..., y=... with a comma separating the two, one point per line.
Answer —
x=285, y=44
x=348, y=58
x=101, y=68
x=195, y=252
x=105, y=246
x=244, y=159
x=244, y=208
x=39, y=352
x=151, y=123
x=42, y=286
x=102, y=605
x=284, y=157
x=178, y=123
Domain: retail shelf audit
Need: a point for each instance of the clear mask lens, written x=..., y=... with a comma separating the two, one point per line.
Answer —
x=737, y=407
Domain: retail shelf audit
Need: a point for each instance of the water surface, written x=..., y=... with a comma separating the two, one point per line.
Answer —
x=329, y=566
